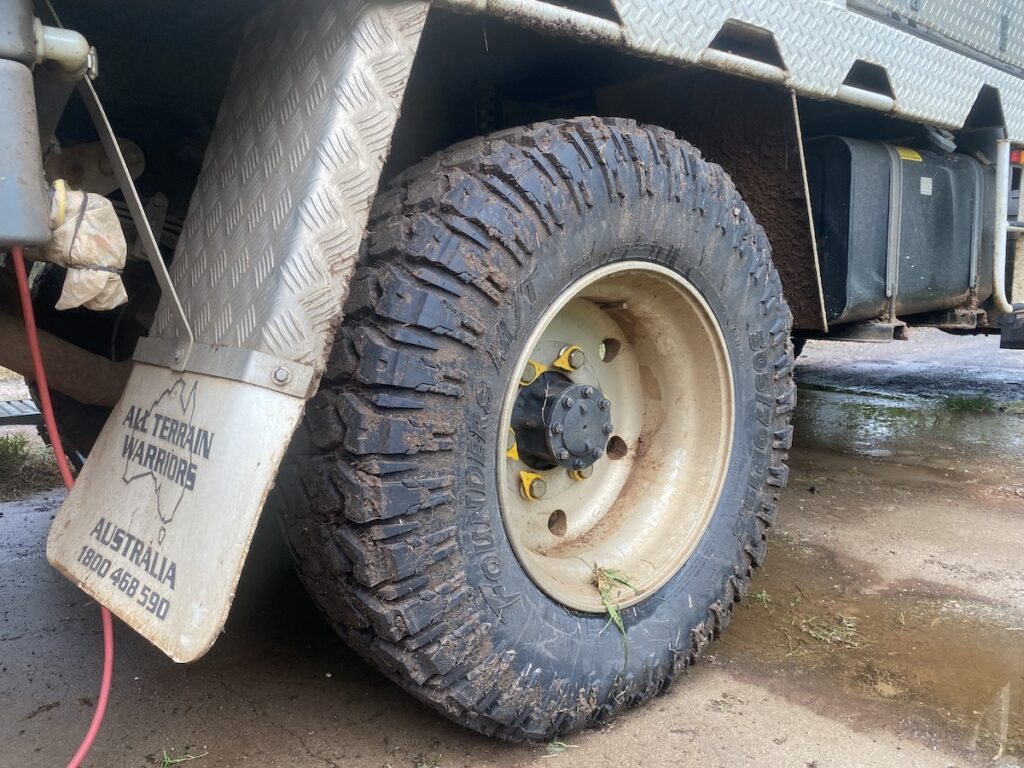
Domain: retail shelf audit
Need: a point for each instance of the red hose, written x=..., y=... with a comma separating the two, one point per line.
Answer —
x=65, y=473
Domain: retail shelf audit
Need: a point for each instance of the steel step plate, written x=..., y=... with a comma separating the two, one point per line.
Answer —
x=159, y=522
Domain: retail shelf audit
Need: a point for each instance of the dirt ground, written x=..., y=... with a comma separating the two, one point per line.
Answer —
x=886, y=628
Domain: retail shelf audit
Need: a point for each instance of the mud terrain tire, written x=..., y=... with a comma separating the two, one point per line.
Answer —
x=391, y=506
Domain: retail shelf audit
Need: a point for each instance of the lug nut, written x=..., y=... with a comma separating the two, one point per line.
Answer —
x=581, y=474
x=528, y=375
x=538, y=488
x=588, y=392
x=604, y=403
x=598, y=453
x=557, y=428
x=608, y=429
x=568, y=402
x=563, y=455
x=576, y=359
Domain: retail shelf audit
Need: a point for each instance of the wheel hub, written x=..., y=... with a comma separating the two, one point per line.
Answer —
x=559, y=423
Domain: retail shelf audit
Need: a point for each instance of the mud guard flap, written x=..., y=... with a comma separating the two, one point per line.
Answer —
x=169, y=498
x=159, y=521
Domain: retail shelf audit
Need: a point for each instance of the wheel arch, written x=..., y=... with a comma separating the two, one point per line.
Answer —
x=476, y=74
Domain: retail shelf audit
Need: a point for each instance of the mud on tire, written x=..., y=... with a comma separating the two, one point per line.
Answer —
x=389, y=489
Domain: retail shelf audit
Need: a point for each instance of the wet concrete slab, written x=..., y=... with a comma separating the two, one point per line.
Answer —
x=886, y=628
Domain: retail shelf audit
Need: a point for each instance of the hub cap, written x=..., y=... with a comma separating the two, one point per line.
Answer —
x=580, y=490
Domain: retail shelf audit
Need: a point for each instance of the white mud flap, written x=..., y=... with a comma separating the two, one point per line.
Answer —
x=159, y=522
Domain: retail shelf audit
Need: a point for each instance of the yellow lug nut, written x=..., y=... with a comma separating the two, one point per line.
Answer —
x=581, y=474
x=512, y=447
x=532, y=485
x=531, y=371
x=570, y=358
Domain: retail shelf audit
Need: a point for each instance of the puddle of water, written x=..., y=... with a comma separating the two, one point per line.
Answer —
x=948, y=661
x=908, y=426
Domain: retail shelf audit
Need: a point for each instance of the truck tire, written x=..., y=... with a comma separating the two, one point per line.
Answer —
x=551, y=436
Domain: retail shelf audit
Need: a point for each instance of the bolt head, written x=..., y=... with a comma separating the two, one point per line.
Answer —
x=598, y=453
x=563, y=455
x=608, y=429
x=528, y=374
x=557, y=429
x=604, y=403
x=588, y=392
x=568, y=402
x=577, y=358
x=538, y=488
x=579, y=464
x=281, y=375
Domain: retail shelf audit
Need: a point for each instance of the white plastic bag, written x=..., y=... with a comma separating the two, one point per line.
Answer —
x=88, y=241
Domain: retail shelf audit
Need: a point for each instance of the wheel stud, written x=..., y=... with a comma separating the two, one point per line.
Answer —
x=511, y=446
x=532, y=486
x=530, y=373
x=570, y=358
x=581, y=474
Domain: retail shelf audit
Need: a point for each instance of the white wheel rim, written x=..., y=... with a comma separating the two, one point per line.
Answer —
x=670, y=384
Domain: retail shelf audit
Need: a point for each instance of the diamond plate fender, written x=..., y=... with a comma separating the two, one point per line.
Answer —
x=275, y=223
x=159, y=522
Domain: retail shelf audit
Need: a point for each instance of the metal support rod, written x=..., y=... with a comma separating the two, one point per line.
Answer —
x=1003, y=227
x=185, y=337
